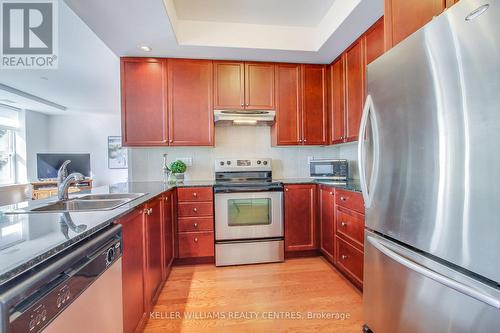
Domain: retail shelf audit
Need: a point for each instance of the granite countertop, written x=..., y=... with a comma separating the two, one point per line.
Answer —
x=30, y=239
x=349, y=185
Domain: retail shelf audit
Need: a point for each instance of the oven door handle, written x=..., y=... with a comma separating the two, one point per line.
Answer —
x=247, y=190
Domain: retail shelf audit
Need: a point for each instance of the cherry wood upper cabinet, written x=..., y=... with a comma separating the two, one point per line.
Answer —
x=327, y=221
x=300, y=217
x=229, y=85
x=404, y=17
x=143, y=91
x=337, y=104
x=154, y=244
x=314, y=115
x=133, y=270
x=287, y=128
x=190, y=108
x=259, y=86
x=355, y=88
x=450, y=3
x=374, y=38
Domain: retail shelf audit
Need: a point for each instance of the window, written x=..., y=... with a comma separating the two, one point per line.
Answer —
x=7, y=156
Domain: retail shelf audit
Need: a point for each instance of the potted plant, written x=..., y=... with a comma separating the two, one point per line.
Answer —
x=177, y=169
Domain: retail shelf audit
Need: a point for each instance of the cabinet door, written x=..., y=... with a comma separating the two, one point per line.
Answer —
x=190, y=108
x=287, y=128
x=355, y=88
x=314, y=116
x=229, y=85
x=143, y=89
x=404, y=17
x=133, y=270
x=154, y=243
x=375, y=41
x=300, y=217
x=338, y=101
x=259, y=86
x=327, y=221
x=168, y=231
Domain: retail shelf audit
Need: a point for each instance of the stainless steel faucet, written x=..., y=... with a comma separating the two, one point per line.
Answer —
x=63, y=181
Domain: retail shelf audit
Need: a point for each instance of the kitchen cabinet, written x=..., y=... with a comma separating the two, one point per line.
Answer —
x=243, y=85
x=349, y=235
x=327, y=221
x=195, y=223
x=190, y=110
x=287, y=127
x=450, y=3
x=167, y=102
x=154, y=244
x=355, y=88
x=404, y=17
x=314, y=115
x=134, y=312
x=300, y=217
x=374, y=38
x=168, y=231
x=337, y=100
x=301, y=114
x=143, y=92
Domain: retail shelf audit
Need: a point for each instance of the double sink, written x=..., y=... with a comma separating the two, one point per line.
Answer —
x=91, y=202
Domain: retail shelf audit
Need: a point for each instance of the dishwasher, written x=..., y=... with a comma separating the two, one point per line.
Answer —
x=78, y=291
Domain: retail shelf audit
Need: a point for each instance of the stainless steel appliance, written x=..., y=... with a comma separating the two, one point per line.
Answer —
x=248, y=213
x=244, y=117
x=331, y=169
x=429, y=167
x=78, y=291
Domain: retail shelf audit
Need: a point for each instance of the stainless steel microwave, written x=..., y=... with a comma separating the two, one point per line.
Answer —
x=329, y=169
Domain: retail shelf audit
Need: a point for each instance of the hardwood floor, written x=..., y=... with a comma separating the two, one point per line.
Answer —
x=249, y=298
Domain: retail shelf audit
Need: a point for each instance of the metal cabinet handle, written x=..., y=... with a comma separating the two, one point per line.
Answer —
x=195, y=209
x=343, y=198
x=195, y=194
x=166, y=198
x=331, y=193
x=149, y=211
x=344, y=257
x=242, y=104
x=195, y=225
x=286, y=189
x=344, y=224
x=196, y=239
x=304, y=140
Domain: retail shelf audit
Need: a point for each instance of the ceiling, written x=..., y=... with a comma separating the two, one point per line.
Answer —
x=312, y=31
x=269, y=12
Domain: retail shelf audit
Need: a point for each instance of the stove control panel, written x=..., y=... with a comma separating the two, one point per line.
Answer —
x=251, y=164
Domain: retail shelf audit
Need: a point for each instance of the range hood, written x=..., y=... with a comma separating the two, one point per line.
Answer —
x=244, y=117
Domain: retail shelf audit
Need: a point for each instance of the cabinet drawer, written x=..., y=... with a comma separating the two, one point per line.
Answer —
x=187, y=224
x=196, y=244
x=351, y=225
x=194, y=194
x=188, y=209
x=351, y=200
x=350, y=260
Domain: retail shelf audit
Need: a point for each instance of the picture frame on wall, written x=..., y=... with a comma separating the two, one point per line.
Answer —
x=117, y=155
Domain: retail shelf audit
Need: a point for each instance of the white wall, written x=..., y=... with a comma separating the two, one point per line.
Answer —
x=236, y=141
x=88, y=134
x=37, y=139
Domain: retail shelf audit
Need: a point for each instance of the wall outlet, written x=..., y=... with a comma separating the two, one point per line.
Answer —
x=187, y=160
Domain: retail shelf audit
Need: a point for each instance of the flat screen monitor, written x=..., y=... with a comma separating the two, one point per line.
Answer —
x=48, y=164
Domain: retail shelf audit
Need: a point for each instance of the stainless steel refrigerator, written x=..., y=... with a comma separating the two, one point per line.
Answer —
x=430, y=172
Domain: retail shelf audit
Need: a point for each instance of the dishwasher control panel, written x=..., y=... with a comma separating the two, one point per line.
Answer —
x=40, y=308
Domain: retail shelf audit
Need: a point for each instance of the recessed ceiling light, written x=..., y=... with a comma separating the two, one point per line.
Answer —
x=145, y=48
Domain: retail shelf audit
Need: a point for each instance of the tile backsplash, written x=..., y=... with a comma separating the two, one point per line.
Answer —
x=145, y=164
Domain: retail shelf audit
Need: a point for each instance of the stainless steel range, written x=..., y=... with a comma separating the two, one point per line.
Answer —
x=248, y=213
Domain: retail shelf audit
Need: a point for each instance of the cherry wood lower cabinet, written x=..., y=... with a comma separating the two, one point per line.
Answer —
x=327, y=221
x=133, y=263
x=168, y=219
x=195, y=223
x=154, y=244
x=300, y=217
x=349, y=235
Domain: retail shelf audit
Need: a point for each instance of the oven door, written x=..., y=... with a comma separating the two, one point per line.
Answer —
x=248, y=215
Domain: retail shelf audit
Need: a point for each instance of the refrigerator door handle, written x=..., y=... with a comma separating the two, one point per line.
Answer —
x=444, y=280
x=368, y=113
